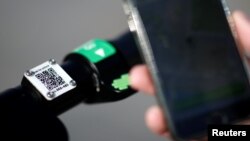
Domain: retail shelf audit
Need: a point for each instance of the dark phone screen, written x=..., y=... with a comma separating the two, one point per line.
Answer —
x=199, y=67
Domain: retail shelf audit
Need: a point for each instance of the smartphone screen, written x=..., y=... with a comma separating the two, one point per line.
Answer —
x=195, y=63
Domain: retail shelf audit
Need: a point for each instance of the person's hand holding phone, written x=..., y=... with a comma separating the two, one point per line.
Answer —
x=140, y=78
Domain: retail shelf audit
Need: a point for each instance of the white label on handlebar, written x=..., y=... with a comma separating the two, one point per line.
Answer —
x=50, y=79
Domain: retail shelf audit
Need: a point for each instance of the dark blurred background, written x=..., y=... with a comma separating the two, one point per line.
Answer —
x=32, y=31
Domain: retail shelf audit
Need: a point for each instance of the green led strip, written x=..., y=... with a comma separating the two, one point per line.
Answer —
x=96, y=50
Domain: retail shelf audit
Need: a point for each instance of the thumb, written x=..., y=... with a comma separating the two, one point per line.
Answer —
x=242, y=25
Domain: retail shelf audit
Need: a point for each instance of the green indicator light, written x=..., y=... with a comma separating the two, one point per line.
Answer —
x=121, y=83
x=96, y=50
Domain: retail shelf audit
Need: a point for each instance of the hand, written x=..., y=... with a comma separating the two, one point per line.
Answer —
x=140, y=78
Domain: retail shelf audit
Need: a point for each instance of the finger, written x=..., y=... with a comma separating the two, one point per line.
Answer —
x=242, y=25
x=155, y=121
x=140, y=79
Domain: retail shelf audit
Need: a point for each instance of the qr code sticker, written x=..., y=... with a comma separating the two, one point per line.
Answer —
x=50, y=79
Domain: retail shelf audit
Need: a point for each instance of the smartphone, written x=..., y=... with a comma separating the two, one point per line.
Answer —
x=194, y=60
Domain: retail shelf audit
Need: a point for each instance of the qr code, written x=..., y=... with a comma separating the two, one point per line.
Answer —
x=50, y=79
